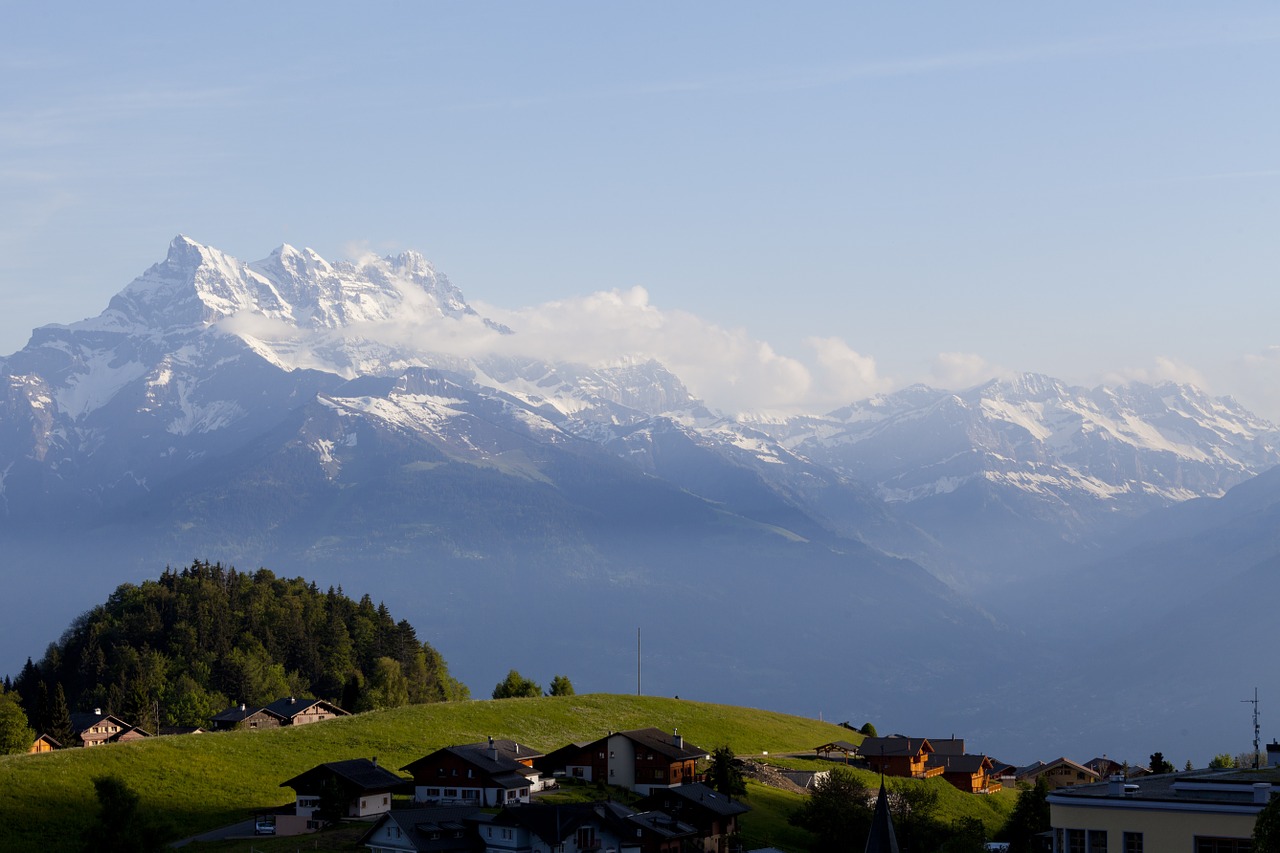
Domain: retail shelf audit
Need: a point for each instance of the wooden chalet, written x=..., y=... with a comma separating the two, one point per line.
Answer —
x=97, y=728
x=969, y=773
x=899, y=756
x=289, y=711
x=1059, y=773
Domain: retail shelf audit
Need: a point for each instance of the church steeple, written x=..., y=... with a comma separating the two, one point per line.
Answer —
x=882, y=838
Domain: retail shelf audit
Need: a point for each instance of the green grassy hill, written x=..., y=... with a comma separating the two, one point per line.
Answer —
x=195, y=783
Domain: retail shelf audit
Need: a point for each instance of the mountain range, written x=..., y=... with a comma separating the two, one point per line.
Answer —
x=927, y=557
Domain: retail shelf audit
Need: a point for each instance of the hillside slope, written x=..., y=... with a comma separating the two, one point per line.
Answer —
x=199, y=782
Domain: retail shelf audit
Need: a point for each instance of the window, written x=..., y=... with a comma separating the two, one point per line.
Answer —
x=657, y=774
x=1075, y=841
x=586, y=838
x=433, y=792
x=451, y=792
x=1223, y=845
x=1097, y=841
x=384, y=801
x=1133, y=842
x=470, y=794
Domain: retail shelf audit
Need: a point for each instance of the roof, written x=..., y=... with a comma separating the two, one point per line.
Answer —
x=289, y=707
x=1041, y=767
x=359, y=774
x=895, y=746
x=960, y=763
x=240, y=713
x=554, y=823
x=658, y=741
x=419, y=825
x=696, y=795
x=1202, y=790
x=82, y=721
x=662, y=825
x=947, y=745
x=492, y=761
x=841, y=745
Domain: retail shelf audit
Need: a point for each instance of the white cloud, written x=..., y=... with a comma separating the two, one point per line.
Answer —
x=845, y=375
x=955, y=370
x=1164, y=369
x=726, y=367
x=1255, y=381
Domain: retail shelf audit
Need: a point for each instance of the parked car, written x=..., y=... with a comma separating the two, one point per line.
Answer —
x=264, y=825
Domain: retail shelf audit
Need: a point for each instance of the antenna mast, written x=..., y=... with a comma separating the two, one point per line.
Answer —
x=1256, y=729
x=638, y=693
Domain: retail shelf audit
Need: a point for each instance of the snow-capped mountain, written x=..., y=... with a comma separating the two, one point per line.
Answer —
x=361, y=417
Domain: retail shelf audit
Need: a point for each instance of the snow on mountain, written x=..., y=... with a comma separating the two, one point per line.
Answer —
x=1034, y=433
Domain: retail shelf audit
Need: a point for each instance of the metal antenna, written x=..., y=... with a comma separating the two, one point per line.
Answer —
x=1256, y=729
x=638, y=691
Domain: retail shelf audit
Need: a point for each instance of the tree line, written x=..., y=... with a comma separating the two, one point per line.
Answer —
x=178, y=650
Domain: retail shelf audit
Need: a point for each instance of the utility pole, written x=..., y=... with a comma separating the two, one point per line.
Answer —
x=1256, y=730
x=638, y=693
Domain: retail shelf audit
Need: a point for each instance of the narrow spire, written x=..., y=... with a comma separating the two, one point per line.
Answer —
x=882, y=838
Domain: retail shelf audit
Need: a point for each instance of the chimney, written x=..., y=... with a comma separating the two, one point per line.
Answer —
x=1262, y=792
x=97, y=712
x=1273, y=754
x=242, y=707
x=493, y=750
x=292, y=700
x=677, y=739
x=1115, y=786
x=375, y=761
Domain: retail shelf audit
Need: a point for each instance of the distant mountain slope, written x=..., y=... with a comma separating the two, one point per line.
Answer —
x=1006, y=471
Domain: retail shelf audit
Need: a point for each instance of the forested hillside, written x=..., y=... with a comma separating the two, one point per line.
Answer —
x=175, y=651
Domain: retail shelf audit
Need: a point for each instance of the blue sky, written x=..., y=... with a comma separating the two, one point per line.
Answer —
x=865, y=194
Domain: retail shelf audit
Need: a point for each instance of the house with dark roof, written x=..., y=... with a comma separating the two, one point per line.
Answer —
x=712, y=814
x=288, y=711
x=584, y=828
x=492, y=773
x=899, y=756
x=969, y=773
x=366, y=789
x=96, y=729
x=1198, y=810
x=442, y=829
x=640, y=760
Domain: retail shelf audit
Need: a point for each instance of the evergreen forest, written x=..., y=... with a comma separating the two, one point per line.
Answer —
x=178, y=650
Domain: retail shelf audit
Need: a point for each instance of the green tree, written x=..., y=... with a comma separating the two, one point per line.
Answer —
x=913, y=804
x=836, y=812
x=1159, y=764
x=1266, y=831
x=387, y=686
x=16, y=736
x=724, y=775
x=515, y=686
x=1029, y=818
x=868, y=729
x=561, y=686
x=121, y=826
x=60, y=718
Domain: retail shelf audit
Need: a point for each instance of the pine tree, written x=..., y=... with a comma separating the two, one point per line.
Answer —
x=59, y=726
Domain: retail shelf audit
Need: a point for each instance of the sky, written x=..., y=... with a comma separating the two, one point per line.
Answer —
x=816, y=201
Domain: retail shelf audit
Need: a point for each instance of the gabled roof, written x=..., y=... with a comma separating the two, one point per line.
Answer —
x=355, y=774
x=960, y=763
x=82, y=721
x=696, y=796
x=240, y=713
x=837, y=745
x=662, y=825
x=420, y=825
x=895, y=746
x=947, y=745
x=554, y=823
x=493, y=762
x=659, y=742
x=1041, y=767
x=289, y=707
